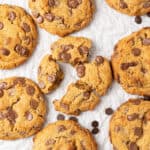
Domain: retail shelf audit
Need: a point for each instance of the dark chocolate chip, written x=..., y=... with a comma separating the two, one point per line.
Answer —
x=109, y=111
x=136, y=51
x=73, y=118
x=95, y=123
x=132, y=117
x=125, y=66
x=4, y=51
x=34, y=104
x=60, y=117
x=67, y=47
x=138, y=19
x=22, y=51
x=11, y=115
x=65, y=57
x=148, y=14
x=95, y=131
x=138, y=131
x=30, y=90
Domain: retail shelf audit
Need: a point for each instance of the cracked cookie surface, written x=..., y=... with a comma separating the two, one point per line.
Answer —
x=62, y=17
x=96, y=74
x=71, y=50
x=49, y=74
x=130, y=7
x=79, y=98
x=18, y=36
x=22, y=108
x=64, y=135
x=131, y=63
x=130, y=124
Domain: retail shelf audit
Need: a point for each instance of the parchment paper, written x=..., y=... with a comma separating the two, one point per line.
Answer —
x=107, y=27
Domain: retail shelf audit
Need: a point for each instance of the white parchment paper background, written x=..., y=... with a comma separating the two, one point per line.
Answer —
x=107, y=27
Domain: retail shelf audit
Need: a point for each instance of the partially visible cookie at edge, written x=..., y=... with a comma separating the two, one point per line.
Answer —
x=18, y=36
x=64, y=135
x=71, y=49
x=22, y=108
x=49, y=74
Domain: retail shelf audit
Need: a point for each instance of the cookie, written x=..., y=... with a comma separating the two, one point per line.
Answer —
x=130, y=62
x=79, y=98
x=18, y=36
x=71, y=50
x=96, y=74
x=130, y=126
x=49, y=74
x=64, y=135
x=22, y=108
x=62, y=17
x=132, y=8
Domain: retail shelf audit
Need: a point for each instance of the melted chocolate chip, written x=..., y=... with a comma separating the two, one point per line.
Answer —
x=22, y=51
x=132, y=117
x=65, y=57
x=109, y=111
x=80, y=70
x=136, y=51
x=11, y=115
x=34, y=104
x=146, y=41
x=99, y=60
x=138, y=19
x=4, y=51
x=73, y=3
x=49, y=17
x=123, y=5
x=11, y=16
x=60, y=117
x=83, y=50
x=26, y=27
x=133, y=146
x=1, y=25
x=73, y=118
x=125, y=66
x=30, y=90
x=67, y=47
x=138, y=131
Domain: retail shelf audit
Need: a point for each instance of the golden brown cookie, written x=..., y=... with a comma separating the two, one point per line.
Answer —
x=96, y=74
x=131, y=63
x=64, y=135
x=22, y=108
x=130, y=126
x=18, y=36
x=49, y=74
x=130, y=7
x=79, y=98
x=71, y=50
x=62, y=17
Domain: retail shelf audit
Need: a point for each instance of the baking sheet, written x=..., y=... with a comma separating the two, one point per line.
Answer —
x=107, y=27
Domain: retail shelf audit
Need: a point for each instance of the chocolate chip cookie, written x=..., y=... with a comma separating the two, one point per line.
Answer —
x=132, y=8
x=131, y=63
x=22, y=108
x=71, y=50
x=64, y=135
x=130, y=126
x=79, y=98
x=18, y=36
x=62, y=17
x=49, y=74
x=96, y=74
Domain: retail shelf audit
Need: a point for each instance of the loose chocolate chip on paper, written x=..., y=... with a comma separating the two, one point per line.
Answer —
x=60, y=117
x=109, y=111
x=95, y=123
x=138, y=19
x=95, y=131
x=73, y=118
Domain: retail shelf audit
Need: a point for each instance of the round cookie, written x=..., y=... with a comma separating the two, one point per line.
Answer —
x=22, y=108
x=96, y=74
x=71, y=50
x=131, y=64
x=79, y=98
x=64, y=135
x=132, y=8
x=18, y=36
x=130, y=126
x=49, y=74
x=62, y=17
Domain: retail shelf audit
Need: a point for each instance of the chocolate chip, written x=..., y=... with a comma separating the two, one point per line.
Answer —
x=40, y=19
x=95, y=123
x=73, y=118
x=80, y=70
x=4, y=51
x=11, y=115
x=11, y=16
x=99, y=60
x=49, y=16
x=65, y=106
x=30, y=90
x=1, y=25
x=86, y=95
x=27, y=40
x=123, y=5
x=52, y=78
x=148, y=14
x=136, y=102
x=26, y=27
x=20, y=81
x=136, y=51
x=146, y=97
x=65, y=57
x=60, y=117
x=138, y=19
x=61, y=128
x=28, y=116
x=109, y=111
x=133, y=146
x=132, y=117
x=138, y=131
x=50, y=142
x=42, y=85
x=3, y=85
x=67, y=47
x=1, y=93
x=73, y=3
x=125, y=66
x=34, y=104
x=22, y=51
x=95, y=131
x=83, y=50
x=146, y=4
x=51, y=3
x=146, y=41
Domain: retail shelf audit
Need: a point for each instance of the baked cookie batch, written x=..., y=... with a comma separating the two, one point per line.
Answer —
x=22, y=103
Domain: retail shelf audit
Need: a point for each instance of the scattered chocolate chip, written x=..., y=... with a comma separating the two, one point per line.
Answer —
x=73, y=118
x=11, y=115
x=30, y=90
x=26, y=27
x=138, y=19
x=73, y=3
x=133, y=146
x=51, y=3
x=4, y=51
x=1, y=93
x=80, y=70
x=49, y=16
x=61, y=128
x=34, y=104
x=123, y=5
x=50, y=142
x=148, y=14
x=35, y=14
x=138, y=131
x=95, y=123
x=99, y=60
x=52, y=78
x=109, y=111
x=95, y=131
x=132, y=117
x=11, y=16
x=146, y=97
x=67, y=47
x=40, y=19
x=136, y=51
x=146, y=41
x=22, y=51
x=83, y=50
x=146, y=4
x=65, y=57
x=60, y=117
x=3, y=85
x=42, y=85
x=28, y=116
x=1, y=25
